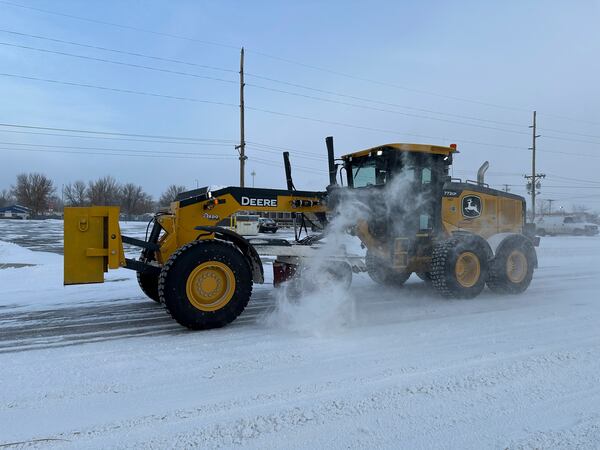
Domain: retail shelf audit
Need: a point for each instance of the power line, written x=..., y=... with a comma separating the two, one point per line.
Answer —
x=304, y=156
x=122, y=52
x=385, y=83
x=74, y=130
x=365, y=99
x=108, y=149
x=282, y=59
x=266, y=55
x=371, y=108
x=188, y=74
x=118, y=154
x=380, y=130
x=572, y=119
x=553, y=130
x=280, y=165
x=279, y=113
x=75, y=136
x=556, y=186
x=274, y=80
x=123, y=91
x=125, y=27
x=178, y=61
x=559, y=138
x=263, y=87
x=120, y=63
x=573, y=179
x=172, y=97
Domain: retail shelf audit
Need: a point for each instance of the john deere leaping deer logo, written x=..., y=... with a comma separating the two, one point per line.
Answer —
x=471, y=206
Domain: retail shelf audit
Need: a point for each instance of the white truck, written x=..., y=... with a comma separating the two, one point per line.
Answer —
x=569, y=225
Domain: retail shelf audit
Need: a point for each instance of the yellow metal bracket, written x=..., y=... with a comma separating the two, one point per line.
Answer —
x=93, y=243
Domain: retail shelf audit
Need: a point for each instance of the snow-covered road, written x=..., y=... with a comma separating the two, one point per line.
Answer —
x=100, y=366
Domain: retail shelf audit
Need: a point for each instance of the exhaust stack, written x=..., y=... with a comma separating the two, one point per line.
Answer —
x=331, y=160
x=288, y=171
x=481, y=172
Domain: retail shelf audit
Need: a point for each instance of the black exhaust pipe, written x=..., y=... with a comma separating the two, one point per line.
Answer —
x=288, y=171
x=331, y=160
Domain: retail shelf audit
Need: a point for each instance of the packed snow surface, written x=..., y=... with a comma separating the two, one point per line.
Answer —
x=101, y=366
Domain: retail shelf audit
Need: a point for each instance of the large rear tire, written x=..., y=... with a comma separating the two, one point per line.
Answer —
x=205, y=284
x=511, y=270
x=381, y=272
x=459, y=266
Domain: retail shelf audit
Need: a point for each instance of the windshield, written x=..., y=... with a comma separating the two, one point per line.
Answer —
x=369, y=172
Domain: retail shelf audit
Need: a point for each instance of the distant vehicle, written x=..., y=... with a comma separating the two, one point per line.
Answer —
x=266, y=225
x=15, y=212
x=245, y=225
x=569, y=225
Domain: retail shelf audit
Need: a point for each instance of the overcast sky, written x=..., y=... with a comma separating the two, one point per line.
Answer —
x=469, y=73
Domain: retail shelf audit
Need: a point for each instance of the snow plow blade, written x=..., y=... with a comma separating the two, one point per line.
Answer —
x=93, y=243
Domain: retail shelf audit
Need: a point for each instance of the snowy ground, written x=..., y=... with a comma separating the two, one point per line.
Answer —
x=101, y=366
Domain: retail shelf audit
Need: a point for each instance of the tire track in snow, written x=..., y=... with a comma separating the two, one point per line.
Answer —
x=22, y=331
x=329, y=402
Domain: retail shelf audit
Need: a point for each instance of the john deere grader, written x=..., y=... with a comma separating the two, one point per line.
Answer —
x=456, y=235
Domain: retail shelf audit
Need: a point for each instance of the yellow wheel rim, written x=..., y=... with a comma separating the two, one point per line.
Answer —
x=516, y=266
x=210, y=286
x=467, y=269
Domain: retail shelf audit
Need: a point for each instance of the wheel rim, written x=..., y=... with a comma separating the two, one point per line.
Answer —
x=516, y=266
x=210, y=286
x=467, y=269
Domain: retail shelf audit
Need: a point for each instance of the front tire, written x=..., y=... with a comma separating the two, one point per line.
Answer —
x=381, y=272
x=459, y=267
x=205, y=284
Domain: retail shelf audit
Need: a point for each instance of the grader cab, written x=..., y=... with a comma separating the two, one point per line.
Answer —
x=457, y=236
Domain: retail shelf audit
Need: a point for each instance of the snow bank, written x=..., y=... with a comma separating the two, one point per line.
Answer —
x=14, y=254
x=40, y=283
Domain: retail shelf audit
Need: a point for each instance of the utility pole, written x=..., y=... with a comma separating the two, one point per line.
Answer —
x=242, y=147
x=534, y=178
x=550, y=200
x=506, y=187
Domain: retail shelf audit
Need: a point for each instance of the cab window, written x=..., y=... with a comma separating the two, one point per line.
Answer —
x=369, y=172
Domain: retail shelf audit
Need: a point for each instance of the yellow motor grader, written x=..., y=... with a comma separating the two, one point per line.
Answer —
x=457, y=236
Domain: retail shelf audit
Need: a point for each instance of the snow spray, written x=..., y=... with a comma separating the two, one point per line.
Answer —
x=316, y=301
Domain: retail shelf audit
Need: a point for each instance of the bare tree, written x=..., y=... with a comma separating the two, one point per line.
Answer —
x=75, y=193
x=134, y=200
x=170, y=194
x=55, y=204
x=6, y=198
x=104, y=191
x=33, y=191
